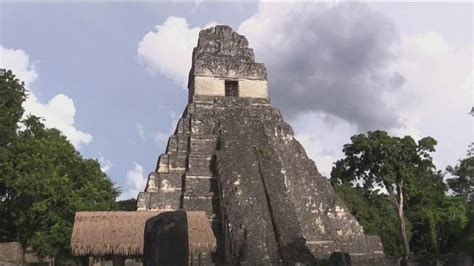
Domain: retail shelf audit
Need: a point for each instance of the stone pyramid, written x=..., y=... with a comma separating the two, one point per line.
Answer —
x=234, y=157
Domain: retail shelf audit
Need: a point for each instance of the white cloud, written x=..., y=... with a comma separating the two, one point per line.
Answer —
x=322, y=135
x=140, y=131
x=135, y=182
x=168, y=50
x=437, y=94
x=105, y=164
x=58, y=113
x=19, y=62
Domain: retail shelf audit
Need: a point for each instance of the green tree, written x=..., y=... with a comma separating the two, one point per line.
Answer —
x=12, y=95
x=462, y=185
x=436, y=225
x=45, y=181
x=127, y=205
x=463, y=182
x=375, y=213
x=378, y=161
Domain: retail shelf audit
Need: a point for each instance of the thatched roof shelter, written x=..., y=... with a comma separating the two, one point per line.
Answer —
x=122, y=233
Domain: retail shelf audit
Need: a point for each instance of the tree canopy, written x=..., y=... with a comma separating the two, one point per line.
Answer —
x=127, y=205
x=43, y=179
x=392, y=187
x=12, y=95
x=462, y=182
x=462, y=185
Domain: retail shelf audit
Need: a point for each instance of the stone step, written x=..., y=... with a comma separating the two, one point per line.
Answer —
x=321, y=248
x=202, y=203
x=170, y=180
x=203, y=195
x=165, y=200
x=183, y=126
x=162, y=164
x=202, y=126
x=177, y=162
x=183, y=143
x=200, y=185
x=143, y=201
x=359, y=244
x=172, y=144
x=202, y=144
x=199, y=165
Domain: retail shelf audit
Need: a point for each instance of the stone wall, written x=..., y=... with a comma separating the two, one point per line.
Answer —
x=211, y=86
x=222, y=54
x=253, y=88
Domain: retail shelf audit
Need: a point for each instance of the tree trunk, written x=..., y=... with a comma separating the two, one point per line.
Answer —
x=403, y=231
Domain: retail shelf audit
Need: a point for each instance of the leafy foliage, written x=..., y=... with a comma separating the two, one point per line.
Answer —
x=378, y=160
x=389, y=180
x=463, y=182
x=45, y=180
x=127, y=205
x=437, y=226
x=375, y=213
x=12, y=95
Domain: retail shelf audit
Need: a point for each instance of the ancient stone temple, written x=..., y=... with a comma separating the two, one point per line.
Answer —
x=234, y=157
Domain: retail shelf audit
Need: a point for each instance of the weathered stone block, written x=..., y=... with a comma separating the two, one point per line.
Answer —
x=172, y=144
x=204, y=202
x=143, y=201
x=202, y=127
x=152, y=183
x=183, y=144
x=200, y=165
x=322, y=248
x=171, y=181
x=253, y=88
x=177, y=162
x=166, y=240
x=163, y=164
x=165, y=200
x=200, y=185
x=203, y=145
x=183, y=126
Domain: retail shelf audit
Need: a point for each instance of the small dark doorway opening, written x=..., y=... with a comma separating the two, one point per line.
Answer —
x=232, y=88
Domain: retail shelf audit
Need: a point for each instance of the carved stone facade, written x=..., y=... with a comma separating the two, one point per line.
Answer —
x=237, y=160
x=221, y=55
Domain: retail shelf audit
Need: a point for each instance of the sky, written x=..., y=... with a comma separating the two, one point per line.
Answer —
x=112, y=76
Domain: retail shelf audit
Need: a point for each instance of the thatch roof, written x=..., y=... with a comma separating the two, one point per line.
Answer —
x=200, y=235
x=11, y=252
x=122, y=233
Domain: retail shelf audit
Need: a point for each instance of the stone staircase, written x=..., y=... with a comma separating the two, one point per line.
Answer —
x=183, y=178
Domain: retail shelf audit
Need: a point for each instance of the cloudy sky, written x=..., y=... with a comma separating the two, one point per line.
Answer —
x=112, y=76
